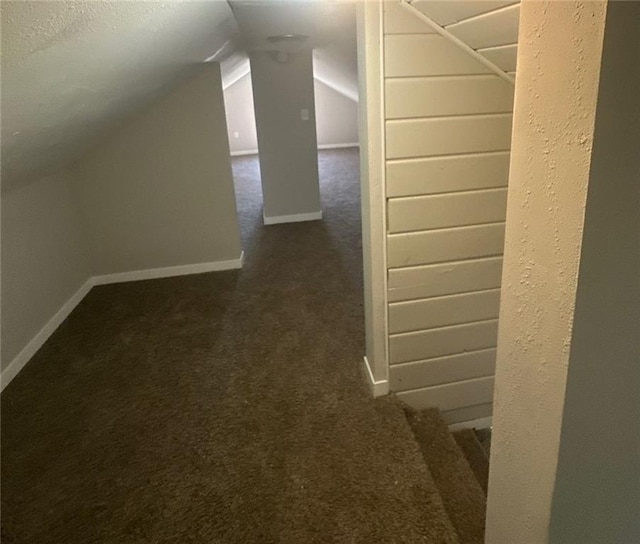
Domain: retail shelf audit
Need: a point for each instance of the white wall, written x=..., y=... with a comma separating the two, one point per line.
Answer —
x=288, y=145
x=556, y=97
x=448, y=132
x=44, y=260
x=159, y=191
x=371, y=127
x=238, y=102
x=336, y=117
x=597, y=491
x=156, y=193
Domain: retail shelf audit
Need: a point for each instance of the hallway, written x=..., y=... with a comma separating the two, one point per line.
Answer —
x=221, y=407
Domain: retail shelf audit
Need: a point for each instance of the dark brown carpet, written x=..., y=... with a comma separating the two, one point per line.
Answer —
x=226, y=407
x=461, y=493
x=475, y=455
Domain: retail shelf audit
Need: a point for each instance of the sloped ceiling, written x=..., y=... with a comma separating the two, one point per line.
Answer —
x=323, y=21
x=329, y=24
x=70, y=70
x=336, y=64
x=73, y=69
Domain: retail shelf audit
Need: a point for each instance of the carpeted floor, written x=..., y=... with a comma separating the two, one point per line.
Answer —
x=226, y=407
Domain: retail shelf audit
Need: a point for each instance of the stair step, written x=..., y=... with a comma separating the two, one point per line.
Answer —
x=431, y=520
x=484, y=439
x=475, y=454
x=461, y=493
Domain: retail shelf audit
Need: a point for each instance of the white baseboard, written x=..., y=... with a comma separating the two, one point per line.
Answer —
x=295, y=218
x=338, y=146
x=321, y=146
x=20, y=360
x=481, y=423
x=378, y=388
x=169, y=271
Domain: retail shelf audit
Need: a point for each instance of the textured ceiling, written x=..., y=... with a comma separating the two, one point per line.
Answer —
x=71, y=70
x=323, y=21
x=329, y=24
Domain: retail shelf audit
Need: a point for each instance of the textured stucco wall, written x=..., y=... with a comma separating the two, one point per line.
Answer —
x=597, y=493
x=555, y=103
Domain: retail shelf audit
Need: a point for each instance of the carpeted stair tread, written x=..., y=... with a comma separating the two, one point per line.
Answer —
x=434, y=522
x=474, y=453
x=484, y=439
x=460, y=491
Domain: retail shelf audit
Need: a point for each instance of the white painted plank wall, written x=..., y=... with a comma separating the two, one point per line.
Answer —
x=448, y=134
x=498, y=27
x=448, y=12
x=415, y=315
x=489, y=27
x=448, y=278
x=447, y=210
x=503, y=56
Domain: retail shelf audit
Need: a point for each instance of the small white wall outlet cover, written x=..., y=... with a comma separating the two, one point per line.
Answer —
x=304, y=114
x=236, y=135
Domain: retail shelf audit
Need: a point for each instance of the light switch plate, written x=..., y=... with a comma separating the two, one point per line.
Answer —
x=304, y=114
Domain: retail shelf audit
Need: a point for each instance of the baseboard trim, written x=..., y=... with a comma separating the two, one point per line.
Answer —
x=295, y=218
x=378, y=388
x=170, y=271
x=322, y=147
x=20, y=360
x=338, y=146
x=481, y=423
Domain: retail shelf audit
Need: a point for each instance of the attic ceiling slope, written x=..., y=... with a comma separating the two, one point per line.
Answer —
x=72, y=69
x=328, y=25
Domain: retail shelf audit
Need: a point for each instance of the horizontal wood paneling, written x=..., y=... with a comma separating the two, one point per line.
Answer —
x=451, y=396
x=407, y=177
x=504, y=57
x=444, y=279
x=451, y=11
x=398, y=20
x=444, y=245
x=488, y=30
x=412, y=55
x=452, y=95
x=416, y=346
x=447, y=210
x=443, y=311
x=447, y=135
x=441, y=370
x=468, y=413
